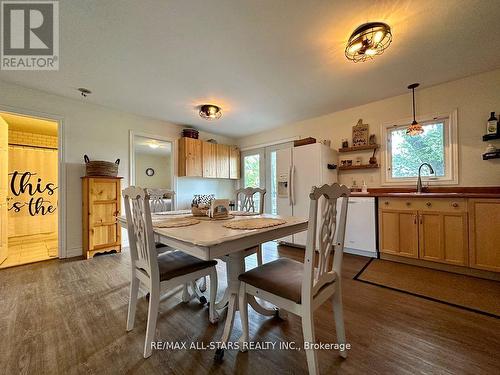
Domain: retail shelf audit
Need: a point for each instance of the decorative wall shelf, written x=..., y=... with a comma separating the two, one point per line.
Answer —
x=489, y=137
x=358, y=148
x=491, y=155
x=363, y=166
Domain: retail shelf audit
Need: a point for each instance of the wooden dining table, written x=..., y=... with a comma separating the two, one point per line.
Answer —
x=209, y=239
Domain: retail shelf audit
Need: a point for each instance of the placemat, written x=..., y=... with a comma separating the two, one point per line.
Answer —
x=170, y=213
x=175, y=222
x=208, y=218
x=243, y=213
x=257, y=223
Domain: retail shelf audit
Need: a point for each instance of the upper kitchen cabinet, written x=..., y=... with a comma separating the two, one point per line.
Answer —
x=222, y=161
x=484, y=236
x=209, y=159
x=190, y=157
x=234, y=163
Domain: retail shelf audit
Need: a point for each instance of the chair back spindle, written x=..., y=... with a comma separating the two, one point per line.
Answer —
x=246, y=201
x=331, y=238
x=158, y=199
x=140, y=231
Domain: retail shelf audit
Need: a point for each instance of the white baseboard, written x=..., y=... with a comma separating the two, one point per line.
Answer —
x=364, y=253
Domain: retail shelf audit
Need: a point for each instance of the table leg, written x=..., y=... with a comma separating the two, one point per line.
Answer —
x=235, y=267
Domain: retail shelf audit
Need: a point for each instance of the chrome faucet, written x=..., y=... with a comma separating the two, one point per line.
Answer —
x=419, y=181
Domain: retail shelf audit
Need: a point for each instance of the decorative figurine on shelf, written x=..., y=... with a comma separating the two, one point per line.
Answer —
x=373, y=159
x=345, y=143
x=359, y=160
x=373, y=140
x=360, y=134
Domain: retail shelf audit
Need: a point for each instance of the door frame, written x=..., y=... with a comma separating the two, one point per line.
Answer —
x=173, y=159
x=62, y=251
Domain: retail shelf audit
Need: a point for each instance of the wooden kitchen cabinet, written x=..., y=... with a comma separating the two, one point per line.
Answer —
x=398, y=232
x=429, y=229
x=190, y=157
x=101, y=209
x=484, y=234
x=443, y=237
x=209, y=159
x=222, y=161
x=234, y=163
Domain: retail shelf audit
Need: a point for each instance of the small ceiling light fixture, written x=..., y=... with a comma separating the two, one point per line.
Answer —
x=153, y=145
x=415, y=128
x=210, y=112
x=368, y=40
x=84, y=92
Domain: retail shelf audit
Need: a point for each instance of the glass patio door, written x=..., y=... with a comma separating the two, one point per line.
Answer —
x=259, y=170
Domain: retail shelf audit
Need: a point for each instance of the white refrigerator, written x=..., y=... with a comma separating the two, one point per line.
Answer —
x=298, y=169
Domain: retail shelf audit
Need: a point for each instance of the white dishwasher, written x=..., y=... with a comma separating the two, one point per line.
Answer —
x=361, y=227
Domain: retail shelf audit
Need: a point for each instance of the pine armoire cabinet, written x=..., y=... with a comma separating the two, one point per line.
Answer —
x=101, y=209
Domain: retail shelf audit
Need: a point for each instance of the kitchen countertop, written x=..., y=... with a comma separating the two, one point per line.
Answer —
x=435, y=192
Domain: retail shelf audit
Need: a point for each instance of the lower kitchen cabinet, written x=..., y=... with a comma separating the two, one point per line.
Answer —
x=484, y=234
x=434, y=230
x=398, y=233
x=443, y=237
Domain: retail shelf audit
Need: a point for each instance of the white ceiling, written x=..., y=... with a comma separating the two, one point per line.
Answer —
x=266, y=62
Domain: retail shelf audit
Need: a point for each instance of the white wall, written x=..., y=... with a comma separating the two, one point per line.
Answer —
x=161, y=165
x=474, y=97
x=103, y=134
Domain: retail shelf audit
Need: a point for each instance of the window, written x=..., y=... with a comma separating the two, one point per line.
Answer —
x=251, y=170
x=436, y=146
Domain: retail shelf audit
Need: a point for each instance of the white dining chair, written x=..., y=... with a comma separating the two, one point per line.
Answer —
x=158, y=201
x=155, y=271
x=161, y=200
x=300, y=288
x=246, y=201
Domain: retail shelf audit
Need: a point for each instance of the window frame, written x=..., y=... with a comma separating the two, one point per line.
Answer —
x=450, y=150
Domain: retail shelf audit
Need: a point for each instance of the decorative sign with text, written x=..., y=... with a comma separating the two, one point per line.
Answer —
x=28, y=192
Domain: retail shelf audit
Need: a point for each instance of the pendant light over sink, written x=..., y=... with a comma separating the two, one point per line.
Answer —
x=415, y=128
x=210, y=112
x=368, y=40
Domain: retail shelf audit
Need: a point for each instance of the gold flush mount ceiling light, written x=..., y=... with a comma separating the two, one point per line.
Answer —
x=368, y=40
x=210, y=112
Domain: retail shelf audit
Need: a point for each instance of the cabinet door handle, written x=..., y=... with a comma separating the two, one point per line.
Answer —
x=408, y=203
x=428, y=204
x=386, y=203
x=454, y=204
x=414, y=219
x=421, y=219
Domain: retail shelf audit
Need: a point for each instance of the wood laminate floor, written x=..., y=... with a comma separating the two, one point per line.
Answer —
x=68, y=317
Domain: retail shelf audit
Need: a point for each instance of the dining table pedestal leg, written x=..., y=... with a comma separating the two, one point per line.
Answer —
x=235, y=267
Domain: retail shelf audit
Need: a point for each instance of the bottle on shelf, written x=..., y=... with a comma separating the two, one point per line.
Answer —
x=492, y=125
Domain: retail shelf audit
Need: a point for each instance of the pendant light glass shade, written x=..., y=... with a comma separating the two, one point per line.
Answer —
x=415, y=128
x=368, y=40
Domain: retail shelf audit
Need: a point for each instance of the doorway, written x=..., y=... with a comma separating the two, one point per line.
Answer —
x=152, y=163
x=29, y=189
x=259, y=170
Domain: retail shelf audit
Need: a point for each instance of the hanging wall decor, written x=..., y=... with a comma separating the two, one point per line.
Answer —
x=360, y=134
